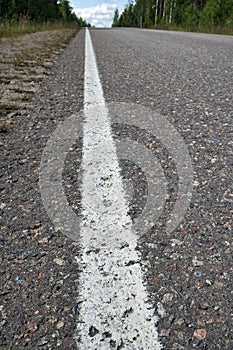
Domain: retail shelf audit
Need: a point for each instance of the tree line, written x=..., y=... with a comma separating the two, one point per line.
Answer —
x=38, y=11
x=180, y=13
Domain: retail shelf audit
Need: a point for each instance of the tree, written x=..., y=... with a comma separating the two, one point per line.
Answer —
x=82, y=22
x=211, y=14
x=7, y=8
x=65, y=10
x=116, y=18
x=217, y=12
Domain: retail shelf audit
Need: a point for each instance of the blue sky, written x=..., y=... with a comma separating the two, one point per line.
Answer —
x=98, y=12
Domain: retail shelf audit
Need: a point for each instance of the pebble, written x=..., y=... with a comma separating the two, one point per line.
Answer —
x=164, y=333
x=32, y=327
x=58, y=261
x=176, y=242
x=200, y=334
x=60, y=325
x=197, y=263
x=167, y=297
x=42, y=342
x=161, y=310
x=11, y=115
x=197, y=273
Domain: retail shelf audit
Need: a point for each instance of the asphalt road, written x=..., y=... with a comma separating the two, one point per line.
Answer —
x=174, y=90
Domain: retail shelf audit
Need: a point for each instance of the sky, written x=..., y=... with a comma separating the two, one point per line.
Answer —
x=97, y=12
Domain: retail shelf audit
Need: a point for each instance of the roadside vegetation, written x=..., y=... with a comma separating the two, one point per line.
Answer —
x=28, y=16
x=25, y=61
x=32, y=34
x=210, y=16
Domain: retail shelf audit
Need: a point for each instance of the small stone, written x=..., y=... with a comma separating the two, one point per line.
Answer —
x=20, y=281
x=32, y=327
x=204, y=306
x=43, y=240
x=161, y=310
x=200, y=334
x=219, y=284
x=42, y=342
x=197, y=273
x=34, y=226
x=11, y=115
x=164, y=333
x=26, y=341
x=58, y=261
x=197, y=263
x=176, y=242
x=167, y=297
x=208, y=282
x=60, y=325
x=180, y=321
x=93, y=331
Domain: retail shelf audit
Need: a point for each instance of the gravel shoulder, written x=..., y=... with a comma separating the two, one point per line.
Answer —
x=24, y=64
x=38, y=268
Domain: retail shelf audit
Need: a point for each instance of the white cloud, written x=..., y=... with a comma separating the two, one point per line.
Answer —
x=98, y=16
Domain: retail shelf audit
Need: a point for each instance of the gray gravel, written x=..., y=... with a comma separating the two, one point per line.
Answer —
x=188, y=79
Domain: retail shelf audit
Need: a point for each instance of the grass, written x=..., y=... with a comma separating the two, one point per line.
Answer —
x=197, y=29
x=16, y=28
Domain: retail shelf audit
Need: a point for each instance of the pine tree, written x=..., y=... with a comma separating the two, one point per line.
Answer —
x=116, y=18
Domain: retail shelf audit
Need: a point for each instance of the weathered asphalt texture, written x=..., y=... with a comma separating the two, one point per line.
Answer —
x=188, y=79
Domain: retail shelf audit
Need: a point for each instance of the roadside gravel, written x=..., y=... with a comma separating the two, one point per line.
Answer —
x=38, y=269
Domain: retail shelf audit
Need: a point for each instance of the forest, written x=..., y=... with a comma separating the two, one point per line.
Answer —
x=187, y=14
x=39, y=11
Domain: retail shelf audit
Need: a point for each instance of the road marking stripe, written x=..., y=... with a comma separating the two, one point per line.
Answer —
x=115, y=312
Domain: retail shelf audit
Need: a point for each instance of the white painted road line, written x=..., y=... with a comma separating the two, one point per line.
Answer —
x=115, y=312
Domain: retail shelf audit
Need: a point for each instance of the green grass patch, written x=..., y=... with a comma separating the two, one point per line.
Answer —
x=196, y=29
x=16, y=28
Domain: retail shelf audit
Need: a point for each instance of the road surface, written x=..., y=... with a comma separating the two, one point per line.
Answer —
x=167, y=97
